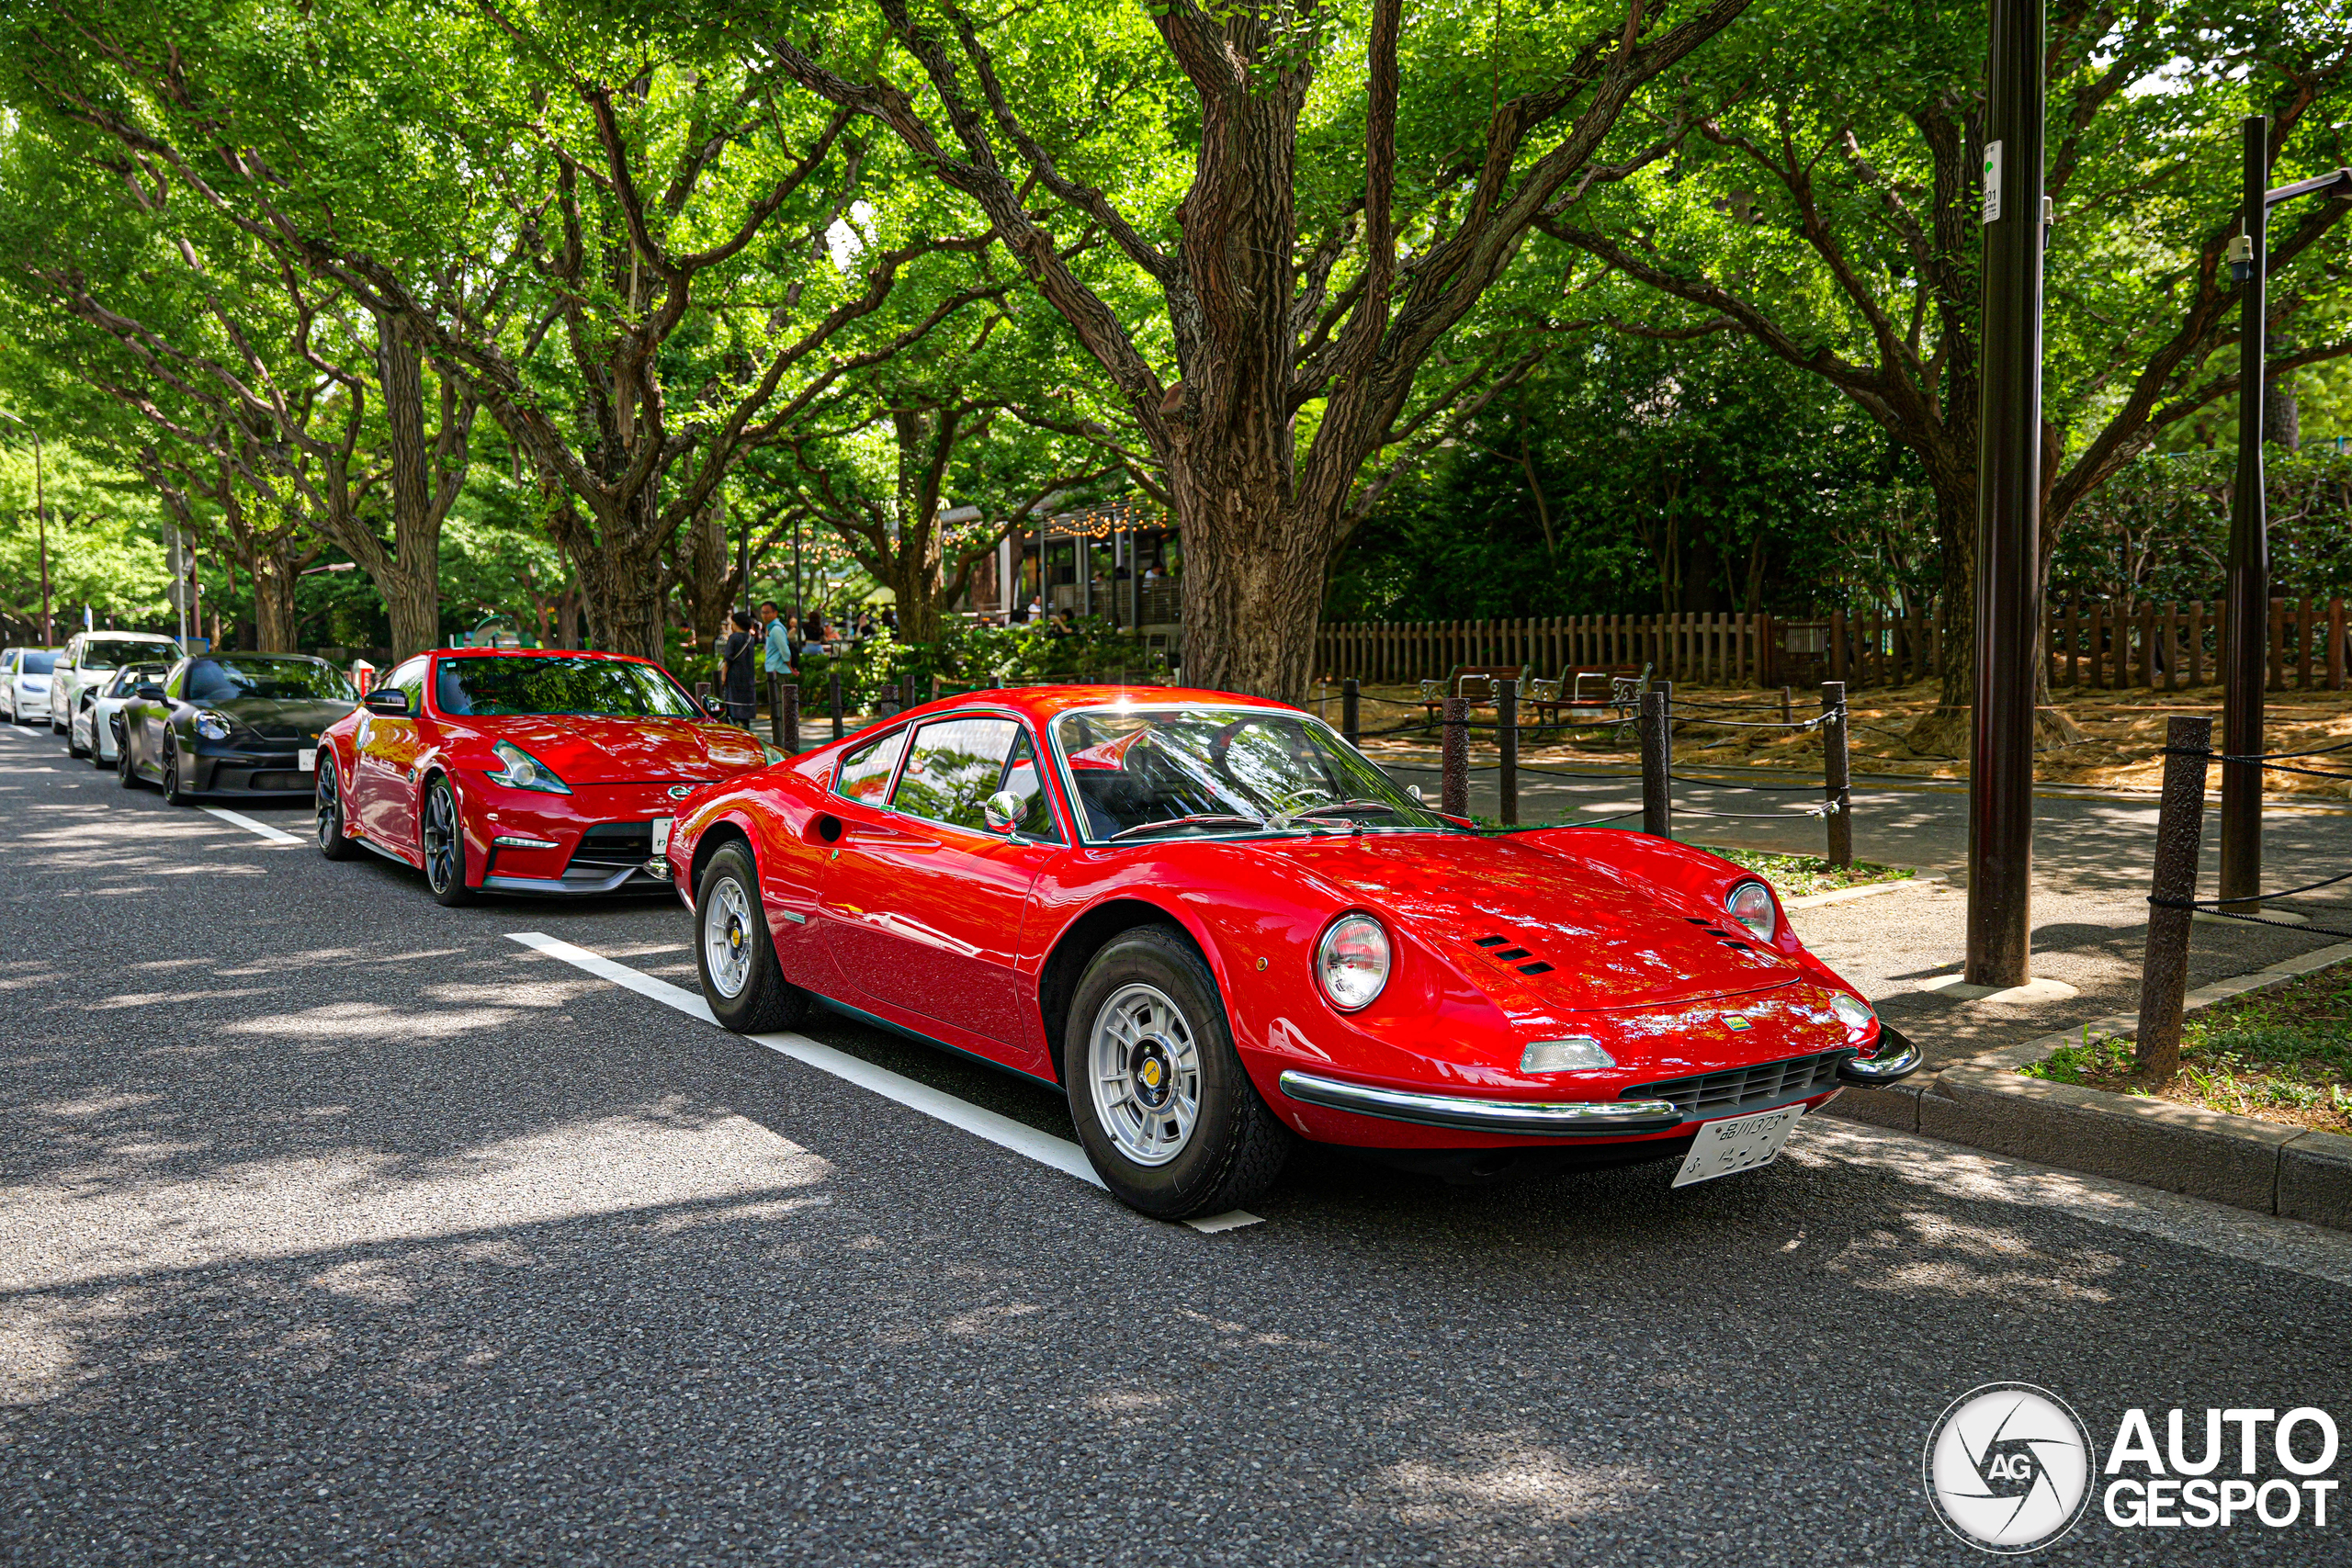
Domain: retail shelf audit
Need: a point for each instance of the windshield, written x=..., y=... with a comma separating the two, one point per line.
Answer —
x=110, y=654
x=1236, y=770
x=126, y=679
x=278, y=680
x=582, y=684
x=41, y=660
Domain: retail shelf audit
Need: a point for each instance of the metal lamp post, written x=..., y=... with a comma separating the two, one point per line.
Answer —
x=2247, y=656
x=2009, y=507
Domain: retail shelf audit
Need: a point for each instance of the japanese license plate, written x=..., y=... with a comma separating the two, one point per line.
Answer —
x=1741, y=1143
x=662, y=826
x=307, y=758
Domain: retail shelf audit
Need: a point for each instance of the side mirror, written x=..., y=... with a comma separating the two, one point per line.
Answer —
x=389, y=700
x=152, y=689
x=716, y=708
x=1002, y=811
x=1415, y=791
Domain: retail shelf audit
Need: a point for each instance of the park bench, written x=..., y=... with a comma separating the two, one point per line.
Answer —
x=1473, y=683
x=1612, y=694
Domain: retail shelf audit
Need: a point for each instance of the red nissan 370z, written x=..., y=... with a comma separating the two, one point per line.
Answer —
x=522, y=771
x=1216, y=928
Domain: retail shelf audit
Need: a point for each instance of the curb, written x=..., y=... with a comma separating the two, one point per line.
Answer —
x=1867, y=890
x=2271, y=1167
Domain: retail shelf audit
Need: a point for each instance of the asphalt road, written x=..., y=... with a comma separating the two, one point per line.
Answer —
x=336, y=1226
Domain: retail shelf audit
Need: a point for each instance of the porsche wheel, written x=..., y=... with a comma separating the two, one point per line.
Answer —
x=445, y=846
x=172, y=790
x=1169, y=1119
x=333, y=843
x=123, y=771
x=734, y=954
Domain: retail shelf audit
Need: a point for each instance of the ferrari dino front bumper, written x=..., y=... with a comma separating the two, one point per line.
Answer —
x=1557, y=1119
x=1897, y=1057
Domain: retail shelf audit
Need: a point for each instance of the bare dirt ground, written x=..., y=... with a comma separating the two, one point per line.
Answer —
x=2124, y=735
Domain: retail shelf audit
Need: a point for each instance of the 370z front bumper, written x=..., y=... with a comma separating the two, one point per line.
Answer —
x=1555, y=1119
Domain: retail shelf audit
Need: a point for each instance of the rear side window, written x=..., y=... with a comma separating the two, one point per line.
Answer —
x=865, y=773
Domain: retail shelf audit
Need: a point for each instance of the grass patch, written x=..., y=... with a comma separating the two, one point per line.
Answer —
x=2283, y=1055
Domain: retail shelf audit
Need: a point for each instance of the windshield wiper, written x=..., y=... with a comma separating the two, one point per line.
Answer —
x=1196, y=820
x=1335, y=809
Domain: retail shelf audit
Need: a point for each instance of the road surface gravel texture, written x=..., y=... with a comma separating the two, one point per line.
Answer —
x=339, y=1227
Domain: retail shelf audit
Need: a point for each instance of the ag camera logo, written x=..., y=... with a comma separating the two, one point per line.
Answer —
x=2008, y=1467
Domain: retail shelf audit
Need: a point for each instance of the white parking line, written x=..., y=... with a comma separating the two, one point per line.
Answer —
x=1001, y=1131
x=273, y=835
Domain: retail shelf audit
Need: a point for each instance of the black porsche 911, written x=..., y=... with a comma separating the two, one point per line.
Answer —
x=245, y=725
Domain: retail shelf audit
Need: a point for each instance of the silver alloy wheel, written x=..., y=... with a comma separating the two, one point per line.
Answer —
x=330, y=820
x=1143, y=1065
x=727, y=944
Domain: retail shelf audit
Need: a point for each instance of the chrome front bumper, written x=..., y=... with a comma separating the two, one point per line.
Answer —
x=1553, y=1118
x=1897, y=1057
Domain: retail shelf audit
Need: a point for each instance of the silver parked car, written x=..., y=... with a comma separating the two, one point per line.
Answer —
x=89, y=661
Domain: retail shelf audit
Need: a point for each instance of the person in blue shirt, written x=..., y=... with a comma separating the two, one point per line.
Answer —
x=778, y=662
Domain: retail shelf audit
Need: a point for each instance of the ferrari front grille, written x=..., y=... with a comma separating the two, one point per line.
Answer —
x=1745, y=1088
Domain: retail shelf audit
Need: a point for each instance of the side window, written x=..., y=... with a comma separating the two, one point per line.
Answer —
x=954, y=769
x=865, y=773
x=73, y=660
x=1025, y=778
x=410, y=678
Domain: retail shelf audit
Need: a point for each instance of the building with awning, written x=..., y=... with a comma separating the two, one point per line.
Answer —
x=1120, y=561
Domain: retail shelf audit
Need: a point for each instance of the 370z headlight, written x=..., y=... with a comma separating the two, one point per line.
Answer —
x=1352, y=961
x=524, y=770
x=1750, y=904
x=212, y=726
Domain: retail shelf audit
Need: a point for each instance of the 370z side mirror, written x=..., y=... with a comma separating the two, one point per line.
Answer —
x=1002, y=811
x=389, y=700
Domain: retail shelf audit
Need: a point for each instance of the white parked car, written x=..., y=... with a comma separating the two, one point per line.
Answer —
x=93, y=729
x=24, y=682
x=89, y=661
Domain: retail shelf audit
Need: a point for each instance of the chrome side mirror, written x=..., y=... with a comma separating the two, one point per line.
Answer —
x=1002, y=811
x=1415, y=791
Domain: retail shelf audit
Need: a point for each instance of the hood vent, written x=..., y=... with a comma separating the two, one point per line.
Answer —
x=1499, y=948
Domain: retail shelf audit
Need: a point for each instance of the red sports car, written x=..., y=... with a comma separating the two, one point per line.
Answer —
x=1217, y=927
x=531, y=770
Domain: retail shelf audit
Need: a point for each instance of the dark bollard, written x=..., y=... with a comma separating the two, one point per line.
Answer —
x=702, y=692
x=1454, y=794
x=836, y=692
x=1350, y=711
x=1506, y=752
x=1787, y=713
x=906, y=693
x=789, y=720
x=1657, y=757
x=2180, y=823
x=1836, y=780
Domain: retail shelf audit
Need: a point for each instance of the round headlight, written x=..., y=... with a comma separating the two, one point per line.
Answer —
x=211, y=726
x=1852, y=1011
x=1750, y=904
x=1352, y=962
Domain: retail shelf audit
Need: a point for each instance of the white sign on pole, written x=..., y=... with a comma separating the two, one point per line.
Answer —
x=1992, y=182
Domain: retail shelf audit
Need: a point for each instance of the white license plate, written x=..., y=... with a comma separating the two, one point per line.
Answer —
x=662, y=826
x=1741, y=1143
x=307, y=758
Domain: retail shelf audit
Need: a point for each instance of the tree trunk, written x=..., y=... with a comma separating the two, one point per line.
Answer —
x=621, y=594
x=2282, y=417
x=272, y=572
x=410, y=579
x=705, y=576
x=915, y=578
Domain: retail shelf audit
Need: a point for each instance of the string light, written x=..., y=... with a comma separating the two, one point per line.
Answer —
x=1102, y=522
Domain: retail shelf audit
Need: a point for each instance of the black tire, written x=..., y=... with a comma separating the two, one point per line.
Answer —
x=174, y=791
x=765, y=1001
x=441, y=834
x=327, y=798
x=1236, y=1147
x=123, y=771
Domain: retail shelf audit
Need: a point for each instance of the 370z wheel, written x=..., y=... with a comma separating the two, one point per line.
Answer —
x=173, y=791
x=445, y=845
x=741, y=977
x=333, y=843
x=1169, y=1119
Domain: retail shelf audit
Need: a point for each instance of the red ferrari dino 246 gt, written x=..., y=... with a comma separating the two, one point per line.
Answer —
x=1218, y=928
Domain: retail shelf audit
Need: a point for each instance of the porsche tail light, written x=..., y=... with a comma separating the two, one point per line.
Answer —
x=1352, y=961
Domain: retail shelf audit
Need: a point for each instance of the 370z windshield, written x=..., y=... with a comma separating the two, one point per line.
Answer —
x=615, y=688
x=1167, y=772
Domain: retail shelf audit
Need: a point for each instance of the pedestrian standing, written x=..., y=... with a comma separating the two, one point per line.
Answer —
x=736, y=671
x=777, y=656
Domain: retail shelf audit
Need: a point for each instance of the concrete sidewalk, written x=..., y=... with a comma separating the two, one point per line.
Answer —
x=2092, y=855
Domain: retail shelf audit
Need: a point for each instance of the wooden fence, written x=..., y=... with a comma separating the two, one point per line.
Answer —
x=2163, y=647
